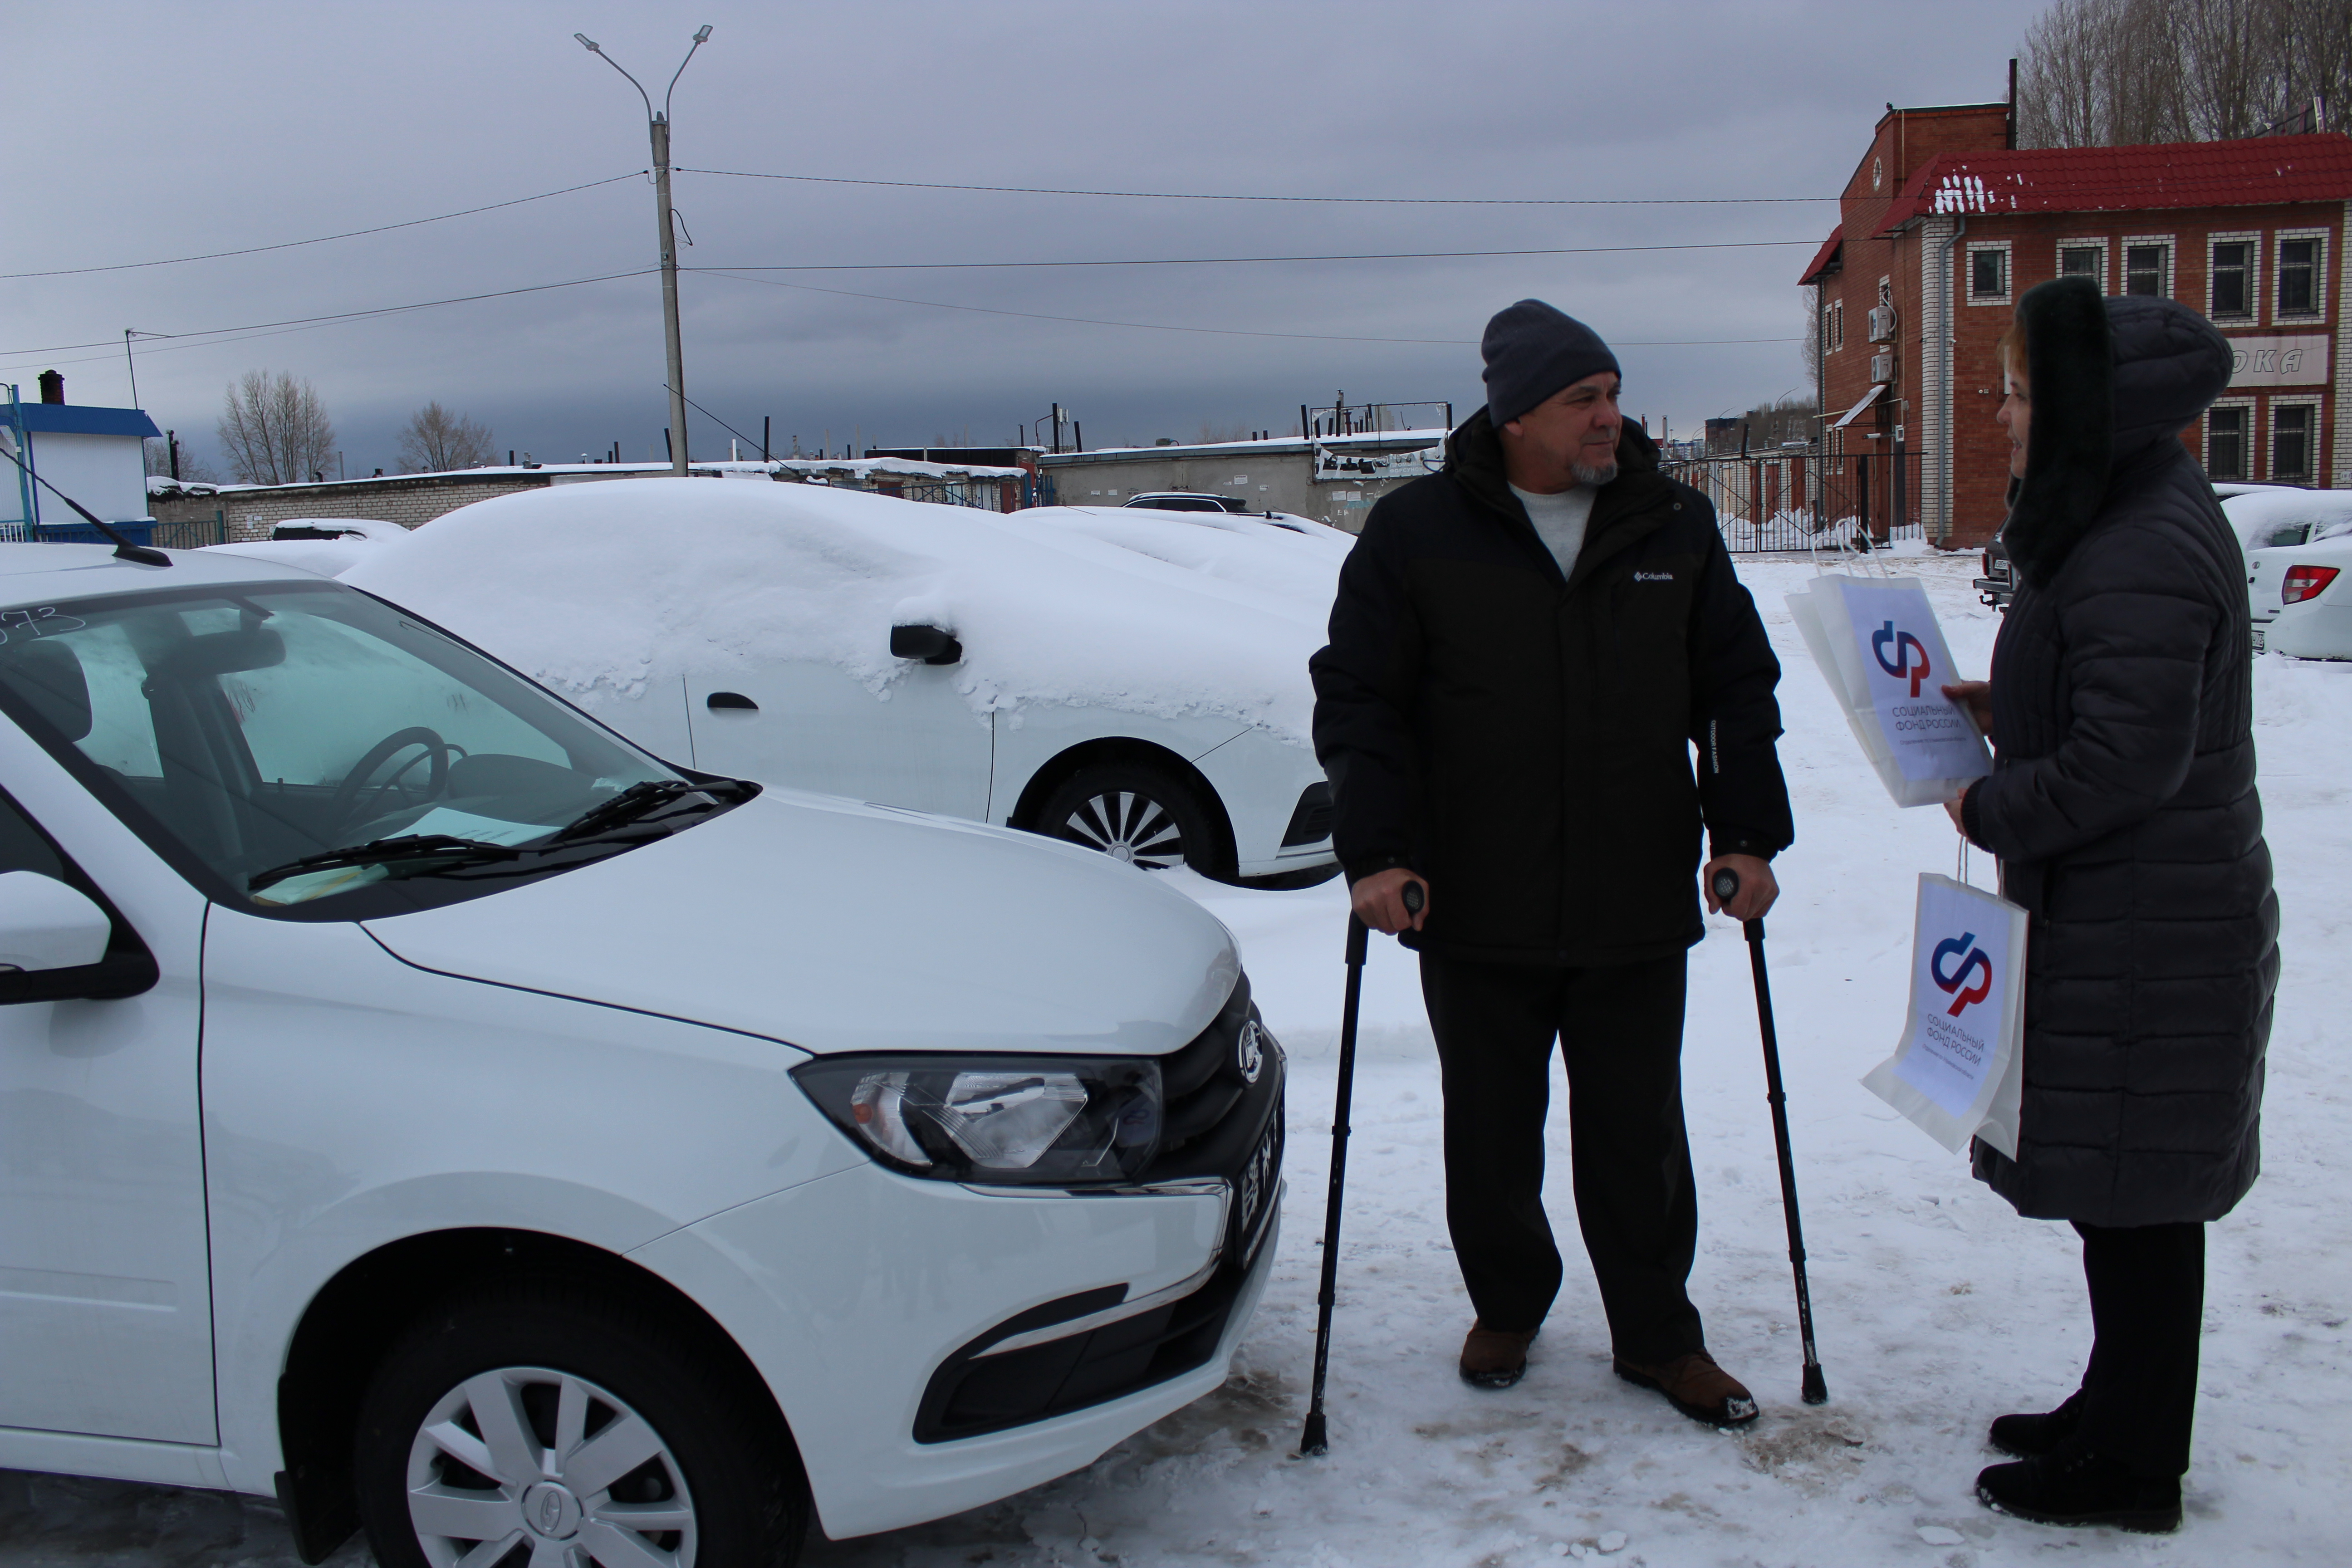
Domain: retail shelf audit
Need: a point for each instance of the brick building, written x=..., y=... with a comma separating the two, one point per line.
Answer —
x=1943, y=223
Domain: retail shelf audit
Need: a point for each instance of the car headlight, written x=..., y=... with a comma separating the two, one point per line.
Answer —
x=1010, y=1121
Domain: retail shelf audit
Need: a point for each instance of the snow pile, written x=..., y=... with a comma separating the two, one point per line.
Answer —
x=601, y=590
x=1299, y=565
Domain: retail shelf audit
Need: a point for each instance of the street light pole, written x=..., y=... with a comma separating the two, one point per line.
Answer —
x=658, y=122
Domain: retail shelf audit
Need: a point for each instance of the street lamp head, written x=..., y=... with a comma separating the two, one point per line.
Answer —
x=703, y=34
x=588, y=43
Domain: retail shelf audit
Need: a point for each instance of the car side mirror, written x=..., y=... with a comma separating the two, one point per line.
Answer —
x=43, y=924
x=928, y=644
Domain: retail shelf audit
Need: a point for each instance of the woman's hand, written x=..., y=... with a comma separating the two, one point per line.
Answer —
x=1952, y=810
x=1975, y=697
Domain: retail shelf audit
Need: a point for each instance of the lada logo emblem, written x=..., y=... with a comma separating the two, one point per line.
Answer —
x=550, y=1510
x=1249, y=1052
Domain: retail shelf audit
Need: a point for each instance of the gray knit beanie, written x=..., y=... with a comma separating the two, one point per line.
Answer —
x=1532, y=351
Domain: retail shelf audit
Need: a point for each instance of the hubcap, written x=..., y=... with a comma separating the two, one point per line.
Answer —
x=1127, y=826
x=526, y=1465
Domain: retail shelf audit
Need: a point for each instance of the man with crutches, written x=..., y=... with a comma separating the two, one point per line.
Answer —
x=1526, y=651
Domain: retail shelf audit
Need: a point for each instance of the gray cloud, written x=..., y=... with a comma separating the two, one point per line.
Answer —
x=157, y=131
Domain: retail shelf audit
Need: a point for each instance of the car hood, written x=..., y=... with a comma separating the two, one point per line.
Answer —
x=839, y=927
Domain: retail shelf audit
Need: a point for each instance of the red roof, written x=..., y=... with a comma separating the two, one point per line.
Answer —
x=1823, y=257
x=2253, y=171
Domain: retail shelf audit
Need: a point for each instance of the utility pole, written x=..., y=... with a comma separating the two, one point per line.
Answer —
x=658, y=122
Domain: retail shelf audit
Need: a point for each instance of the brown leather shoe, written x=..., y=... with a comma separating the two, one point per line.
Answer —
x=1495, y=1358
x=1694, y=1385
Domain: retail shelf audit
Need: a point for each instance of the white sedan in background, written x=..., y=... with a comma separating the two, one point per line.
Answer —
x=2273, y=526
x=1130, y=680
x=2314, y=620
x=327, y=545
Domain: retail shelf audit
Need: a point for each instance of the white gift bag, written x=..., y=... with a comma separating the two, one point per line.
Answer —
x=1959, y=1071
x=1876, y=643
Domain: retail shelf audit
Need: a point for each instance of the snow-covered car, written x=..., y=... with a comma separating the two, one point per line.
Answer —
x=2315, y=618
x=423, y=1106
x=1130, y=681
x=326, y=545
x=2272, y=526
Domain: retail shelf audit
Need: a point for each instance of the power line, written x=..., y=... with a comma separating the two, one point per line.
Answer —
x=294, y=322
x=1218, y=197
x=297, y=244
x=1246, y=260
x=1214, y=331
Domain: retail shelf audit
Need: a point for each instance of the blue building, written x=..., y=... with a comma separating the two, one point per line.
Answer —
x=98, y=456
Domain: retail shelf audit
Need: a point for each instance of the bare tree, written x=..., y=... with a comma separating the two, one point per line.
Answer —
x=2105, y=72
x=273, y=429
x=436, y=441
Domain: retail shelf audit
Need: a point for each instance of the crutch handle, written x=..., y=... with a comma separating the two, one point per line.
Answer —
x=1726, y=885
x=1416, y=899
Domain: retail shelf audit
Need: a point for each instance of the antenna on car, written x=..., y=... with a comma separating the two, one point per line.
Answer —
x=122, y=547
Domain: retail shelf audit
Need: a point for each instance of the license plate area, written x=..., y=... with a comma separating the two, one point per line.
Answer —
x=1256, y=1188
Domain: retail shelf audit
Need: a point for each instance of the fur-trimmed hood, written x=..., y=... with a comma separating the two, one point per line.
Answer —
x=2112, y=378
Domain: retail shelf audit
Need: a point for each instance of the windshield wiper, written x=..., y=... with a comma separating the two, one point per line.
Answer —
x=379, y=851
x=641, y=800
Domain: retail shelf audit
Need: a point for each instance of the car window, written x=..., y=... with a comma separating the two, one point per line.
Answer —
x=2335, y=530
x=2273, y=534
x=241, y=729
x=22, y=848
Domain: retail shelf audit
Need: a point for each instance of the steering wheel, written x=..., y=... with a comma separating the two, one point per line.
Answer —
x=345, y=808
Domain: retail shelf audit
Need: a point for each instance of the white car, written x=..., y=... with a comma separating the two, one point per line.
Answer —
x=2314, y=620
x=2272, y=525
x=326, y=545
x=1134, y=681
x=420, y=1104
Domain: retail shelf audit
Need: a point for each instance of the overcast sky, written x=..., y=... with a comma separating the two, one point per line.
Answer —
x=149, y=131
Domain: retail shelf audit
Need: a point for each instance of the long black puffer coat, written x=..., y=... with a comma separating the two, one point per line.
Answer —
x=2122, y=803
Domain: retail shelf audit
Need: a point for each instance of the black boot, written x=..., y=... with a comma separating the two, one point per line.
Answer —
x=2075, y=1486
x=2031, y=1437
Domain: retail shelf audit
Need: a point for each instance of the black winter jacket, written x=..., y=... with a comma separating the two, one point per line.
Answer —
x=1523, y=740
x=2122, y=803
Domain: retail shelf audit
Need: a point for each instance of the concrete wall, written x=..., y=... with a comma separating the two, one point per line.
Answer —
x=1334, y=481
x=252, y=513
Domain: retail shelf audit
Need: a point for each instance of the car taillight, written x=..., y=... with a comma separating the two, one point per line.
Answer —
x=2306, y=583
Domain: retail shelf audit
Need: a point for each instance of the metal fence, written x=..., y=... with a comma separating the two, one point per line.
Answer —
x=168, y=535
x=1796, y=502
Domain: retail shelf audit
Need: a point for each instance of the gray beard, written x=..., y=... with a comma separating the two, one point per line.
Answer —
x=1593, y=473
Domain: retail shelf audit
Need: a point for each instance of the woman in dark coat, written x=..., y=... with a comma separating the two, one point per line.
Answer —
x=2122, y=806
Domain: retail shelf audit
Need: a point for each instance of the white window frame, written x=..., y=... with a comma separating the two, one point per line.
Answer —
x=2008, y=274
x=2318, y=312
x=2123, y=259
x=2314, y=467
x=2251, y=438
x=2252, y=240
x=2097, y=242
x=1837, y=325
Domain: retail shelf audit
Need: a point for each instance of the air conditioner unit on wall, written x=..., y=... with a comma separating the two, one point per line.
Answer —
x=1882, y=323
x=1881, y=367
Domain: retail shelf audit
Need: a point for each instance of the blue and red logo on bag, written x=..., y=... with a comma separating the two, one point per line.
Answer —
x=1910, y=655
x=1971, y=960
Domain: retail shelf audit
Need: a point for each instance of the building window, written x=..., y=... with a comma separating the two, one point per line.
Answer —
x=2294, y=432
x=2230, y=289
x=1837, y=325
x=1989, y=274
x=2225, y=443
x=2084, y=261
x=2148, y=266
x=2298, y=275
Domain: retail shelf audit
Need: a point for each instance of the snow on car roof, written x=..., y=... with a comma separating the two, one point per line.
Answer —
x=601, y=590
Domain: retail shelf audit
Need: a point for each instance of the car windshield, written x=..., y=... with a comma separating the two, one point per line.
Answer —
x=304, y=749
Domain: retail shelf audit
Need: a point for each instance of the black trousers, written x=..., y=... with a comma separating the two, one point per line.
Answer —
x=2147, y=1308
x=1620, y=1032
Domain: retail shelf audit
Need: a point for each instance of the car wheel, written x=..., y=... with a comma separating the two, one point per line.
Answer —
x=546, y=1426
x=1139, y=815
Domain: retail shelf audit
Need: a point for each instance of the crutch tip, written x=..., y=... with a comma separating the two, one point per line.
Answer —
x=1817, y=1391
x=1313, y=1442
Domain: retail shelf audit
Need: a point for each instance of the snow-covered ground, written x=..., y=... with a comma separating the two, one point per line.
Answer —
x=1937, y=1307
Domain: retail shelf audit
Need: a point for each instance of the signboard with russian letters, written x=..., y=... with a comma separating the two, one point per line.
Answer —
x=2300, y=361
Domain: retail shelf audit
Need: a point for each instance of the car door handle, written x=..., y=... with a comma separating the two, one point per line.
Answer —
x=718, y=701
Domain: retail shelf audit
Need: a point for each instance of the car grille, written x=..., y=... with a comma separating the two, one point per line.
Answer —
x=1222, y=1116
